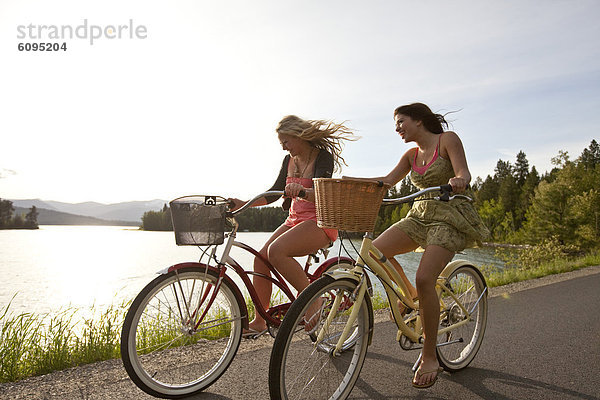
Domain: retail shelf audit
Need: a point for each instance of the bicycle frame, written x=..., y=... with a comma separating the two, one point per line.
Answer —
x=227, y=261
x=370, y=256
x=383, y=270
x=390, y=278
x=275, y=279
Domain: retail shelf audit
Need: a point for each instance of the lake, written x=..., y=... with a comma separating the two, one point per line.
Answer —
x=56, y=267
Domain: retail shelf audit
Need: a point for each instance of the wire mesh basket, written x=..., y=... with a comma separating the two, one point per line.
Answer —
x=199, y=220
x=348, y=204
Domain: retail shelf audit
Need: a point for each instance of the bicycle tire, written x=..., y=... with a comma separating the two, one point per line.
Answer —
x=162, y=353
x=468, y=284
x=299, y=369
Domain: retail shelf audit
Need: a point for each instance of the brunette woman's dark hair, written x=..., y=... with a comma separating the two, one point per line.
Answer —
x=434, y=123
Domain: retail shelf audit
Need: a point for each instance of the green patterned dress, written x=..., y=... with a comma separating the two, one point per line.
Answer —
x=454, y=225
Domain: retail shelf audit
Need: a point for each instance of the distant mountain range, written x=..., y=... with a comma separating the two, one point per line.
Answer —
x=51, y=217
x=94, y=213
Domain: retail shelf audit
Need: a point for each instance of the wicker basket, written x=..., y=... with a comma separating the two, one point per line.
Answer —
x=348, y=204
x=199, y=220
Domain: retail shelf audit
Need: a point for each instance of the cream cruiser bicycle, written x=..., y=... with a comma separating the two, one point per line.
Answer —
x=325, y=364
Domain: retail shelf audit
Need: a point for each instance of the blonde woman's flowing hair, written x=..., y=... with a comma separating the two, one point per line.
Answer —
x=322, y=134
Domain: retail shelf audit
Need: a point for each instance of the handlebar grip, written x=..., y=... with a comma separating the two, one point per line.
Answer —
x=446, y=188
x=302, y=194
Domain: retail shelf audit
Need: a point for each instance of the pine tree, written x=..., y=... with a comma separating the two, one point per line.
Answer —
x=526, y=196
x=521, y=169
x=488, y=190
x=31, y=218
x=6, y=211
x=503, y=169
x=508, y=194
x=590, y=157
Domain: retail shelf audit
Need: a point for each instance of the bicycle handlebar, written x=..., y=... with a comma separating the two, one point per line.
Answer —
x=301, y=194
x=445, y=189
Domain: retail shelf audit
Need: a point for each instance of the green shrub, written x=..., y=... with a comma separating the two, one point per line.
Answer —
x=548, y=250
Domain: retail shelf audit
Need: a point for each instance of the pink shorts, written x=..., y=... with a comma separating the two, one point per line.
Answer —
x=332, y=234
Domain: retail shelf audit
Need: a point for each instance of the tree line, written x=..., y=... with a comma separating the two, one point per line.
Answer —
x=17, y=221
x=263, y=219
x=519, y=206
x=157, y=220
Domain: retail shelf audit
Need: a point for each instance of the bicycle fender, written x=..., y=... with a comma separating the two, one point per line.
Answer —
x=234, y=288
x=340, y=274
x=454, y=265
x=331, y=261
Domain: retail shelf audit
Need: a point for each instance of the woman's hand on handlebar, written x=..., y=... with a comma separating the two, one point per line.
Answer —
x=234, y=204
x=295, y=190
x=458, y=184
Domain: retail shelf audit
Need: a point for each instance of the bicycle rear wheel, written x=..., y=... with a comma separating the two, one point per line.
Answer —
x=460, y=345
x=299, y=367
x=162, y=350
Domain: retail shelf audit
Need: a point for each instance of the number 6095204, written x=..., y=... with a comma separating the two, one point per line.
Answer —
x=42, y=46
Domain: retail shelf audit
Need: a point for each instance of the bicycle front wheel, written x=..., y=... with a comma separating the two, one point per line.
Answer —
x=302, y=368
x=174, y=341
x=467, y=311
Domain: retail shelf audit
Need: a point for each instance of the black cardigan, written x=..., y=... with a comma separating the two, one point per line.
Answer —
x=323, y=169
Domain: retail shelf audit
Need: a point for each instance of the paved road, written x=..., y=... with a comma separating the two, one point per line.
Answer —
x=540, y=343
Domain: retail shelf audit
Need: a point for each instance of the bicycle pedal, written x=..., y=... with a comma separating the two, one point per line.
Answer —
x=407, y=344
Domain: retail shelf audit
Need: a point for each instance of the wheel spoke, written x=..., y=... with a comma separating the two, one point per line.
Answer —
x=303, y=369
x=163, y=351
x=464, y=318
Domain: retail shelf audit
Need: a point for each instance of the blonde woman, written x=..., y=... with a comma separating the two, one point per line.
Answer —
x=314, y=148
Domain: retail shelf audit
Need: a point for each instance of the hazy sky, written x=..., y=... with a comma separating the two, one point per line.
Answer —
x=190, y=106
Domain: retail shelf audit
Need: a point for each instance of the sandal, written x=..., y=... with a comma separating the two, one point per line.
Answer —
x=419, y=374
x=253, y=333
x=317, y=314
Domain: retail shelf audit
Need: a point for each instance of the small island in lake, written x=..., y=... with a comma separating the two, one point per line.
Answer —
x=18, y=221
